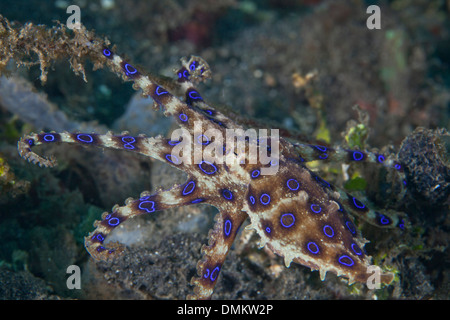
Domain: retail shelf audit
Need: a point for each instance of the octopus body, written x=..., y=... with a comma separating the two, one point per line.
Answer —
x=296, y=214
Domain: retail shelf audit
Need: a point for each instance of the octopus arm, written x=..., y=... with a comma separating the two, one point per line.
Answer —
x=220, y=239
x=179, y=195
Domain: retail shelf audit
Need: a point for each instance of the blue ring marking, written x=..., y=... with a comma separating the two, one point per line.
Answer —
x=268, y=230
x=323, y=156
x=206, y=275
x=208, y=163
x=199, y=140
x=383, y=219
x=401, y=224
x=328, y=231
x=264, y=202
x=115, y=223
x=287, y=215
x=129, y=69
x=183, y=117
x=173, y=142
x=350, y=227
x=361, y=155
x=313, y=208
x=49, y=137
x=193, y=65
x=357, y=250
x=381, y=158
x=152, y=209
x=348, y=264
x=108, y=216
x=99, y=237
x=158, y=93
x=189, y=191
x=320, y=148
x=101, y=248
x=30, y=142
x=252, y=199
x=293, y=188
x=358, y=203
x=227, y=194
x=128, y=144
x=227, y=227
x=255, y=173
x=186, y=75
x=85, y=141
x=398, y=166
x=308, y=246
x=173, y=159
x=198, y=200
x=215, y=270
x=195, y=95
x=107, y=52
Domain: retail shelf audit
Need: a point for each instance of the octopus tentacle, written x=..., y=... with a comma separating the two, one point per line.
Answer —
x=308, y=152
x=179, y=195
x=221, y=238
x=155, y=147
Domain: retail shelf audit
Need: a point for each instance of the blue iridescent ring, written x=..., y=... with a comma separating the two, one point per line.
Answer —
x=202, y=137
x=208, y=163
x=227, y=194
x=158, y=92
x=227, y=227
x=173, y=142
x=264, y=195
x=346, y=260
x=316, y=208
x=350, y=227
x=82, y=135
x=313, y=247
x=189, y=188
x=113, y=222
x=383, y=219
x=358, y=203
x=49, y=138
x=152, y=209
x=173, y=159
x=195, y=95
x=328, y=231
x=293, y=184
x=193, y=65
x=214, y=274
x=287, y=220
x=357, y=250
x=107, y=52
x=357, y=155
x=129, y=69
x=128, y=144
x=320, y=148
x=255, y=173
x=183, y=117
